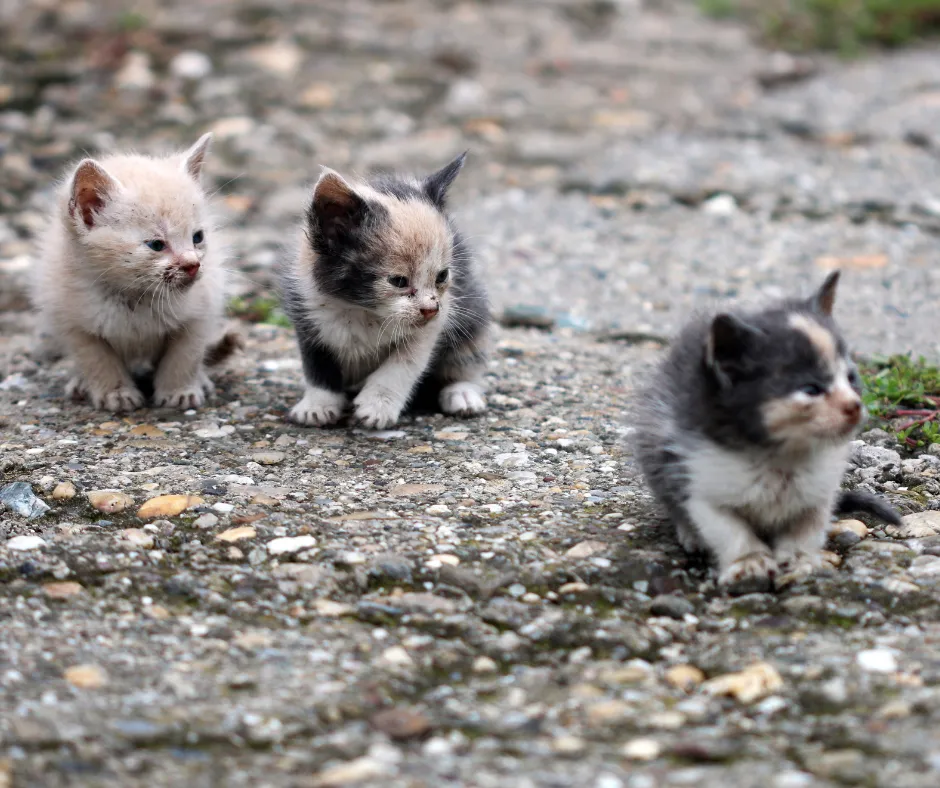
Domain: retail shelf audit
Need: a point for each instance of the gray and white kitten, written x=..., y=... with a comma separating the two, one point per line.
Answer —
x=385, y=301
x=130, y=280
x=743, y=437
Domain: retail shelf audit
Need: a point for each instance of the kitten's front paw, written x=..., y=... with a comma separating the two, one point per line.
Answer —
x=117, y=400
x=795, y=566
x=463, y=399
x=318, y=408
x=790, y=560
x=76, y=390
x=751, y=573
x=377, y=408
x=689, y=539
x=205, y=383
x=193, y=396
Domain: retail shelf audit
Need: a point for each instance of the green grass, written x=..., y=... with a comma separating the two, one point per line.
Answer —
x=130, y=21
x=903, y=397
x=845, y=26
x=258, y=309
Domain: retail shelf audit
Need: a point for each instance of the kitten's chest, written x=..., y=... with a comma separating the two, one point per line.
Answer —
x=360, y=342
x=135, y=331
x=767, y=491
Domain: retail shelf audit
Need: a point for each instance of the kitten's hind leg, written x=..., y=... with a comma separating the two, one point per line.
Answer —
x=180, y=379
x=460, y=368
x=318, y=408
x=745, y=563
x=463, y=399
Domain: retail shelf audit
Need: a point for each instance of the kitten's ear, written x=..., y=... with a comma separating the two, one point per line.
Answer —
x=729, y=339
x=195, y=157
x=823, y=299
x=437, y=184
x=336, y=208
x=92, y=186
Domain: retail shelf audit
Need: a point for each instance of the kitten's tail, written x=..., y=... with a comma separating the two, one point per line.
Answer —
x=230, y=343
x=850, y=501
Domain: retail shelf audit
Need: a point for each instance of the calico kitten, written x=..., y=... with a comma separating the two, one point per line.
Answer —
x=743, y=437
x=130, y=277
x=386, y=302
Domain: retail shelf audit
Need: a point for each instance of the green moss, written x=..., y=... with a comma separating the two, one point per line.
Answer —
x=845, y=26
x=259, y=309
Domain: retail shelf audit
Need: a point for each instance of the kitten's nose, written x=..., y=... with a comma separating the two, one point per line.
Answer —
x=190, y=268
x=852, y=410
x=427, y=312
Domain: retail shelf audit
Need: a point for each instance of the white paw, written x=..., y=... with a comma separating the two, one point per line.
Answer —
x=377, y=408
x=463, y=399
x=192, y=396
x=751, y=572
x=318, y=408
x=120, y=399
x=796, y=561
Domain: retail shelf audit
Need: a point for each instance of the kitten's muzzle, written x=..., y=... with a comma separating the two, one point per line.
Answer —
x=185, y=268
x=852, y=411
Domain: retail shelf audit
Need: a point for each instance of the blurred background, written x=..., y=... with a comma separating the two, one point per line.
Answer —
x=629, y=159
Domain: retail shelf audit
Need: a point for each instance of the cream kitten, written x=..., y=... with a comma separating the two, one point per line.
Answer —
x=131, y=277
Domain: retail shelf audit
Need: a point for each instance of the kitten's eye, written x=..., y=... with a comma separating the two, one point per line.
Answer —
x=442, y=276
x=853, y=377
x=398, y=281
x=198, y=237
x=156, y=244
x=812, y=390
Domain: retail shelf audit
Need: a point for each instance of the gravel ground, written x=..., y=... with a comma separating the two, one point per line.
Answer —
x=483, y=603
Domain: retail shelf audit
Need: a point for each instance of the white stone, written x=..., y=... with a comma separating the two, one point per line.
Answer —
x=26, y=543
x=517, y=459
x=396, y=656
x=438, y=508
x=191, y=65
x=877, y=660
x=215, y=432
x=720, y=205
x=642, y=749
x=291, y=544
x=206, y=520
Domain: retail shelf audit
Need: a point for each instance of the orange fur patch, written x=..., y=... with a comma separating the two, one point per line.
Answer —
x=822, y=340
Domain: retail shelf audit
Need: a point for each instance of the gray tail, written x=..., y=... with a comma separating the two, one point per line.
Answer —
x=851, y=501
x=230, y=343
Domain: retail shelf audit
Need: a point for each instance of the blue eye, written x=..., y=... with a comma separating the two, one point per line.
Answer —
x=812, y=390
x=198, y=237
x=156, y=244
x=398, y=281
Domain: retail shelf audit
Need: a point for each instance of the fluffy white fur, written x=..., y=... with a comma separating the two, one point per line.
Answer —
x=764, y=488
x=111, y=302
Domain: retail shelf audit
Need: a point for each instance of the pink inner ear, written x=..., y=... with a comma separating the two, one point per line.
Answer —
x=88, y=201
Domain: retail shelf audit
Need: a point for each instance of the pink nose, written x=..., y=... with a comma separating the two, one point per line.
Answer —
x=852, y=410
x=190, y=269
x=428, y=312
